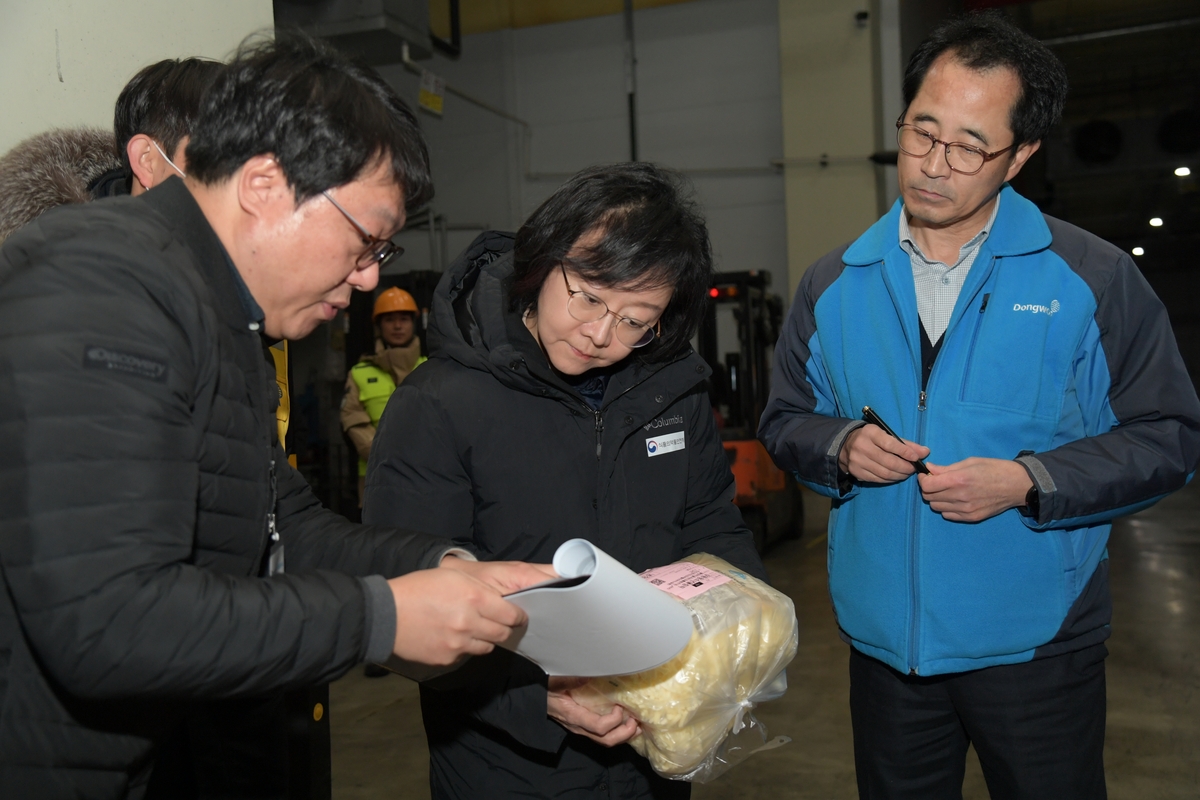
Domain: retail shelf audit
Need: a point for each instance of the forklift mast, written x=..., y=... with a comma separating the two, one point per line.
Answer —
x=741, y=380
x=768, y=498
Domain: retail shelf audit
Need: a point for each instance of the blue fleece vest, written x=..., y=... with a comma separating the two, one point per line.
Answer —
x=1020, y=368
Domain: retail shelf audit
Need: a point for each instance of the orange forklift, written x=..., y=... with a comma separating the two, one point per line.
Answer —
x=741, y=307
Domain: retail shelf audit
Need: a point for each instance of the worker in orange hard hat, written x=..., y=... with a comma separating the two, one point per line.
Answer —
x=373, y=379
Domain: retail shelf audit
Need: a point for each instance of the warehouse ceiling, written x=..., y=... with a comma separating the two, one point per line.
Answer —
x=482, y=16
x=1132, y=119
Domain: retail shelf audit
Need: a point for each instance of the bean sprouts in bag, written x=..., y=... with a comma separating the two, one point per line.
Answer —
x=696, y=710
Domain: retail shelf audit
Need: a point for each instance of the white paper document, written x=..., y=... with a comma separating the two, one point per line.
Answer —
x=598, y=618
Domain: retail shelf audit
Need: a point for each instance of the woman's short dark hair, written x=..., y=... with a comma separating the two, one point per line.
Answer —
x=162, y=101
x=325, y=118
x=987, y=40
x=654, y=236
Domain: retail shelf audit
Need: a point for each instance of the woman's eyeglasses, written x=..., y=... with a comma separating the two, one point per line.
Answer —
x=589, y=308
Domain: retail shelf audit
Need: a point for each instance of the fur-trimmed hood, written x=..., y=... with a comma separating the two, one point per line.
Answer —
x=52, y=169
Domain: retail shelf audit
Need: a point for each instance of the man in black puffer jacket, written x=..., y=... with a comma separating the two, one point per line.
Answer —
x=156, y=550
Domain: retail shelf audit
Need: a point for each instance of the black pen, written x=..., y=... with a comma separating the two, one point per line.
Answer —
x=873, y=418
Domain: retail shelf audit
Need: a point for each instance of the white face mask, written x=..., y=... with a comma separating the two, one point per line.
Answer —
x=167, y=158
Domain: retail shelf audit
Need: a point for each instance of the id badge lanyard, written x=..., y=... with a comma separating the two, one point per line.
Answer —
x=275, y=560
x=279, y=355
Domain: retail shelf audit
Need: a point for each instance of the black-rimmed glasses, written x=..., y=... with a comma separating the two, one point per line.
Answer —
x=378, y=251
x=586, y=307
x=960, y=157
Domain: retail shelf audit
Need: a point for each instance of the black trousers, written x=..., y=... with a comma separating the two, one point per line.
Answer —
x=1037, y=727
x=225, y=750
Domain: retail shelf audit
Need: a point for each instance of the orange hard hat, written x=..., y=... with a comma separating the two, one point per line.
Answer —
x=393, y=299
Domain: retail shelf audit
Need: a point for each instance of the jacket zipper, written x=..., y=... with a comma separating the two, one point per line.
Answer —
x=599, y=432
x=922, y=405
x=913, y=560
x=599, y=413
x=914, y=538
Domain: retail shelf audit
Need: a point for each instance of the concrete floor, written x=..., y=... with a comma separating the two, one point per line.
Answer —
x=1152, y=750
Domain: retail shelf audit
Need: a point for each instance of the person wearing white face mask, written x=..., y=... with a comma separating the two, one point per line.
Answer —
x=153, y=117
x=153, y=121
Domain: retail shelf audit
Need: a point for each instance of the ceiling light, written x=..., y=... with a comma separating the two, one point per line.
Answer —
x=1139, y=251
x=1156, y=222
x=1182, y=172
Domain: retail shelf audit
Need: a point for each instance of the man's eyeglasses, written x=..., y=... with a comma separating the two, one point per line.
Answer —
x=378, y=251
x=962, y=158
x=589, y=308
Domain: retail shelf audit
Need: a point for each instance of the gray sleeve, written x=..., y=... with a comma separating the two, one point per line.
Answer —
x=800, y=426
x=381, y=611
x=381, y=618
x=1135, y=393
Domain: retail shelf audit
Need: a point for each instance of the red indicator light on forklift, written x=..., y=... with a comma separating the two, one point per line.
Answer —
x=714, y=292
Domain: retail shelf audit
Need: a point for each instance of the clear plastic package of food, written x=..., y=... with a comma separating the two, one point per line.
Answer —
x=695, y=711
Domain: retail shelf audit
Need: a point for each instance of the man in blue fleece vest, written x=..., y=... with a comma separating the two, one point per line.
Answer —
x=1033, y=366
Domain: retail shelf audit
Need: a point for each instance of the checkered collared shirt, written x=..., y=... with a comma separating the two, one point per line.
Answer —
x=938, y=284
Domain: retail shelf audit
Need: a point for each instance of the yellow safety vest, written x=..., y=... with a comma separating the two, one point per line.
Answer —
x=375, y=386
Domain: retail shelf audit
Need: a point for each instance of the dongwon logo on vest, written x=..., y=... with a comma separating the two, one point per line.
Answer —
x=664, y=444
x=1034, y=308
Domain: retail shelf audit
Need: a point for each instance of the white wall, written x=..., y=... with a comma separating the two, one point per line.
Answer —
x=63, y=62
x=828, y=110
x=889, y=76
x=708, y=104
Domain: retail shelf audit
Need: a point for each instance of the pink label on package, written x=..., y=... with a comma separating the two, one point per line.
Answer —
x=685, y=580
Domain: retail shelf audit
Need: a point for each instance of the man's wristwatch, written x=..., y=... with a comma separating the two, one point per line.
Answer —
x=1032, y=499
x=1032, y=503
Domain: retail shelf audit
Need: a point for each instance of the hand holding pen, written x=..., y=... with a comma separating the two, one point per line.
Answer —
x=874, y=453
x=871, y=417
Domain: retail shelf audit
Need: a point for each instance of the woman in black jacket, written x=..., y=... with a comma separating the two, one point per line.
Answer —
x=562, y=400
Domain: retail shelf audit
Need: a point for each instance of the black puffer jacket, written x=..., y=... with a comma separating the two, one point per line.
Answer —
x=485, y=443
x=136, y=419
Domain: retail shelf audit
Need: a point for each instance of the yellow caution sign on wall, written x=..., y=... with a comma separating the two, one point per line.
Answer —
x=432, y=95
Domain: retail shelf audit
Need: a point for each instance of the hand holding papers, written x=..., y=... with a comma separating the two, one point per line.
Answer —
x=599, y=618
